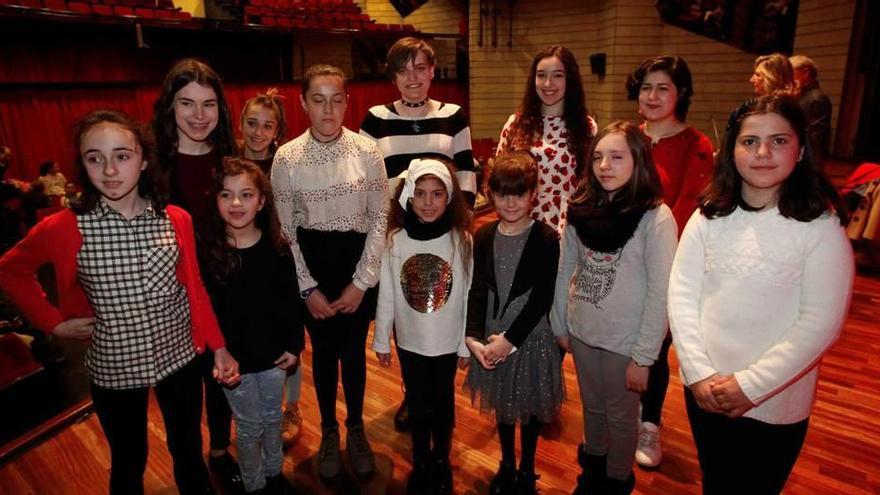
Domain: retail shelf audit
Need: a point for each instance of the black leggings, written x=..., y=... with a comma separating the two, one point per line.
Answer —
x=123, y=416
x=339, y=340
x=658, y=382
x=743, y=455
x=217, y=411
x=430, y=394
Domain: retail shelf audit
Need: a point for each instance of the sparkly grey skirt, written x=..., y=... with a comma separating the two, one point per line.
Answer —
x=528, y=383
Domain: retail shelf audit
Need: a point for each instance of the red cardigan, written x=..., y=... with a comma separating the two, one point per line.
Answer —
x=56, y=240
x=684, y=162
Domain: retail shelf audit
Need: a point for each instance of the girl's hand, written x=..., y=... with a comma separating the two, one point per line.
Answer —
x=349, y=300
x=384, y=359
x=730, y=397
x=497, y=349
x=286, y=361
x=75, y=328
x=564, y=341
x=477, y=349
x=702, y=391
x=318, y=306
x=463, y=362
x=636, y=377
x=225, y=368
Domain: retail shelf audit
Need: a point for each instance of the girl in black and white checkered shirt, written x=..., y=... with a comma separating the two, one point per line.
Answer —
x=128, y=279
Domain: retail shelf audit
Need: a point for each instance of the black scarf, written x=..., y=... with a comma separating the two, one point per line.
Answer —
x=421, y=231
x=604, y=228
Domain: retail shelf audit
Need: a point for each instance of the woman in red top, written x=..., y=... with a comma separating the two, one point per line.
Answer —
x=128, y=280
x=683, y=156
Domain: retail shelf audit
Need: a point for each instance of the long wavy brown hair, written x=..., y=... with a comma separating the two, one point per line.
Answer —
x=218, y=256
x=529, y=126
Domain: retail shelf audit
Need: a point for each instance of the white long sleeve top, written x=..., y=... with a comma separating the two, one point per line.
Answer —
x=340, y=186
x=762, y=297
x=430, y=329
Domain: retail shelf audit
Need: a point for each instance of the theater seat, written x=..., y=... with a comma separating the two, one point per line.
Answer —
x=79, y=7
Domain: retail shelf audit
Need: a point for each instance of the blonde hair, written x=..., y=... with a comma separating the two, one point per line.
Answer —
x=777, y=74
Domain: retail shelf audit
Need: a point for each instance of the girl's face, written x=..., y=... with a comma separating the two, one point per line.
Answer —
x=657, y=97
x=414, y=79
x=429, y=198
x=259, y=127
x=550, y=81
x=765, y=153
x=196, y=113
x=613, y=162
x=239, y=202
x=513, y=208
x=113, y=160
x=757, y=81
x=325, y=104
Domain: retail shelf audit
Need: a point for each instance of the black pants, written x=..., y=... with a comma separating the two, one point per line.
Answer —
x=743, y=455
x=123, y=416
x=336, y=341
x=217, y=411
x=658, y=382
x=430, y=394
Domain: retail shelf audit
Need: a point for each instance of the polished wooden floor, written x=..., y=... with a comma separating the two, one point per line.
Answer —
x=840, y=456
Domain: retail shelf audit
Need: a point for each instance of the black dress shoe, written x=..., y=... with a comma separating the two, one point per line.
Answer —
x=226, y=469
x=401, y=417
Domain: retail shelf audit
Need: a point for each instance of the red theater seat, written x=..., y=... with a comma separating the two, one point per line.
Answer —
x=55, y=5
x=145, y=13
x=80, y=7
x=102, y=9
x=123, y=10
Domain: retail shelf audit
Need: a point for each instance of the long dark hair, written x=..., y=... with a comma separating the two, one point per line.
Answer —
x=643, y=191
x=529, y=125
x=151, y=183
x=804, y=195
x=218, y=256
x=458, y=210
x=677, y=70
x=164, y=126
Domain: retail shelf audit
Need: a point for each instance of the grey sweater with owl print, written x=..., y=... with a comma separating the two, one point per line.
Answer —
x=617, y=301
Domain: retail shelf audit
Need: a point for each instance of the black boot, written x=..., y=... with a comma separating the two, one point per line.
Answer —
x=620, y=487
x=504, y=481
x=401, y=417
x=440, y=477
x=526, y=482
x=591, y=481
x=417, y=483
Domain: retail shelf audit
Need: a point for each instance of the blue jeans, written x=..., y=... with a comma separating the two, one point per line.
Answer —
x=293, y=384
x=256, y=406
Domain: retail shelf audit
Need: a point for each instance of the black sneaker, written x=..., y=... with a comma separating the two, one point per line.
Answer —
x=226, y=469
x=504, y=480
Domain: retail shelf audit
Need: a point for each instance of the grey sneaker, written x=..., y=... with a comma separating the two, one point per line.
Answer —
x=329, y=456
x=360, y=455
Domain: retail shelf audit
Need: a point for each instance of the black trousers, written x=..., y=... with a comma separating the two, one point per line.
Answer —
x=430, y=395
x=217, y=411
x=337, y=342
x=123, y=416
x=658, y=381
x=743, y=455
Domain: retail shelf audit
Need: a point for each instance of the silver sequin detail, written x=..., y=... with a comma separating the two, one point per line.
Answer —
x=426, y=280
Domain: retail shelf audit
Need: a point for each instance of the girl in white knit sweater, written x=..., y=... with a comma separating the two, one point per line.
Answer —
x=758, y=292
x=423, y=288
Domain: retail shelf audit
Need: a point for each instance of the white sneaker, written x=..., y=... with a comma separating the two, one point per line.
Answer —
x=650, y=453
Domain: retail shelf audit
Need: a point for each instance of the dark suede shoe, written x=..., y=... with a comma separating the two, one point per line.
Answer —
x=592, y=479
x=620, y=487
x=329, y=456
x=360, y=455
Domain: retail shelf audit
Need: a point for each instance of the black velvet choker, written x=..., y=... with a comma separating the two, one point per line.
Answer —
x=421, y=231
x=605, y=228
x=416, y=104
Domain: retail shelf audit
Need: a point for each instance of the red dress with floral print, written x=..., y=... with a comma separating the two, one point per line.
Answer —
x=557, y=179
